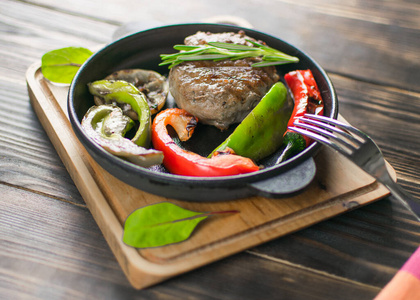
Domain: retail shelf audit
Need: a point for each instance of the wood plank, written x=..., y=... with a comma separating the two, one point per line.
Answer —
x=27, y=156
x=372, y=11
x=30, y=31
x=341, y=36
x=381, y=236
x=57, y=251
x=389, y=116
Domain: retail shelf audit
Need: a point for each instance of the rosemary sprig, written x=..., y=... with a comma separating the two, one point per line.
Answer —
x=218, y=51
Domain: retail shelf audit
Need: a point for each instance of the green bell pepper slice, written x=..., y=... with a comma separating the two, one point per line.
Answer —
x=106, y=125
x=122, y=92
x=261, y=132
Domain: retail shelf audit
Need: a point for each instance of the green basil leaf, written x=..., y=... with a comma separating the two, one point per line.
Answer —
x=159, y=225
x=61, y=65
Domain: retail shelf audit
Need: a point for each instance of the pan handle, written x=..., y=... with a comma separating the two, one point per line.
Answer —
x=286, y=183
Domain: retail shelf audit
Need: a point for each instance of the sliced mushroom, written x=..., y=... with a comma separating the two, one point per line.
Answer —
x=152, y=84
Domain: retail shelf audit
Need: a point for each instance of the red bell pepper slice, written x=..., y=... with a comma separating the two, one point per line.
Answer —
x=307, y=100
x=182, y=162
x=307, y=96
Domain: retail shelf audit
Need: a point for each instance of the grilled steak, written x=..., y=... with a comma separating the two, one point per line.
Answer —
x=223, y=92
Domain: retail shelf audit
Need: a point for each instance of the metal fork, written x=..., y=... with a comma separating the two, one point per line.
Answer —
x=356, y=146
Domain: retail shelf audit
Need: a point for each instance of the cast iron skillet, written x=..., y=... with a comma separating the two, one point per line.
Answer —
x=141, y=50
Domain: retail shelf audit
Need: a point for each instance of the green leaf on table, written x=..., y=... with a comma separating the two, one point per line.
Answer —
x=161, y=224
x=61, y=65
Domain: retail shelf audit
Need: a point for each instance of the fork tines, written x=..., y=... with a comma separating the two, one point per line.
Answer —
x=338, y=135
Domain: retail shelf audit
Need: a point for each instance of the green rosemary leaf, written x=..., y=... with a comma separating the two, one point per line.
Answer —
x=270, y=63
x=259, y=45
x=280, y=57
x=202, y=57
x=174, y=55
x=218, y=51
x=230, y=46
x=237, y=57
x=185, y=47
x=244, y=55
x=165, y=63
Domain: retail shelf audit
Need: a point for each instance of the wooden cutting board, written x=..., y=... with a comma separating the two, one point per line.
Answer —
x=339, y=186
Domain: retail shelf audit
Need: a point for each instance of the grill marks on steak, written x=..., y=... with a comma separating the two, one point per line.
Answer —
x=220, y=93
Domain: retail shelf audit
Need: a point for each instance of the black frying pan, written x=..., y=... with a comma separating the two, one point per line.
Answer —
x=142, y=50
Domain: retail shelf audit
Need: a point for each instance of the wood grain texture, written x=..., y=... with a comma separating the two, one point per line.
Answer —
x=28, y=158
x=358, y=39
x=370, y=50
x=372, y=240
x=390, y=116
x=29, y=260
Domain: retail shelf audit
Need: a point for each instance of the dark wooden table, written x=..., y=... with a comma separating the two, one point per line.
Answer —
x=50, y=246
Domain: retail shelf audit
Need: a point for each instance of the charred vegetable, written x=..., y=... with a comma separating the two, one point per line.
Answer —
x=153, y=85
x=107, y=125
x=261, y=132
x=123, y=93
x=307, y=100
x=182, y=162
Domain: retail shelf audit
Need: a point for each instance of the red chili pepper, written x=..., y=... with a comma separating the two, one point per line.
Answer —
x=307, y=96
x=182, y=162
x=307, y=100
